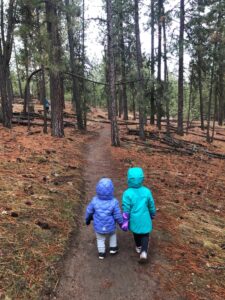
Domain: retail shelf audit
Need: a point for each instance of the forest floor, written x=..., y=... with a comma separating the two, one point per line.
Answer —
x=41, y=189
x=44, y=182
x=187, y=248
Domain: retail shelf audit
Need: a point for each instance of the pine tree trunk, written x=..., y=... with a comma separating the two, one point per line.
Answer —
x=18, y=74
x=75, y=84
x=114, y=127
x=159, y=82
x=43, y=97
x=221, y=109
x=140, y=92
x=152, y=101
x=54, y=72
x=210, y=99
x=10, y=88
x=5, y=99
x=25, y=105
x=215, y=110
x=166, y=95
x=85, y=108
x=216, y=62
x=123, y=65
x=190, y=99
x=6, y=41
x=221, y=72
x=120, y=92
x=134, y=107
x=200, y=90
x=181, y=71
x=133, y=93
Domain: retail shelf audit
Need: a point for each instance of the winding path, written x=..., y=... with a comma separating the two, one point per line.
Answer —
x=117, y=277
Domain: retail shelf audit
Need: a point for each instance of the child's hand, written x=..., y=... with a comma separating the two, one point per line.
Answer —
x=124, y=226
x=88, y=222
x=152, y=216
x=89, y=219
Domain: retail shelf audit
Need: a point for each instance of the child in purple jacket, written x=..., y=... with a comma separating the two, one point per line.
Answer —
x=105, y=211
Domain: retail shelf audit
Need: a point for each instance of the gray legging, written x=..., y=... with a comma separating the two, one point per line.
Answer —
x=101, y=241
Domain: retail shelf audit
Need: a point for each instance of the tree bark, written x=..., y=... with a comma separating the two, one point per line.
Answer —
x=181, y=71
x=75, y=84
x=215, y=110
x=221, y=110
x=221, y=71
x=166, y=95
x=208, y=138
x=25, y=44
x=6, y=41
x=114, y=127
x=106, y=89
x=159, y=82
x=85, y=108
x=190, y=98
x=123, y=65
x=54, y=70
x=139, y=72
x=42, y=74
x=152, y=99
x=18, y=74
x=200, y=89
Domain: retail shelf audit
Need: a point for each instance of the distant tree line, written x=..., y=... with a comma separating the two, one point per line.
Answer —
x=50, y=36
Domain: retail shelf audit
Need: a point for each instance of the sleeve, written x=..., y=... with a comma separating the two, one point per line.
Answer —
x=89, y=211
x=151, y=204
x=126, y=204
x=117, y=215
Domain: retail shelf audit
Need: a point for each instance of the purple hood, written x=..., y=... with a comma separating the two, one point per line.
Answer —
x=105, y=189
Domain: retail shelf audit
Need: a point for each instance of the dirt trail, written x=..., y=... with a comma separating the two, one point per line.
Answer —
x=117, y=277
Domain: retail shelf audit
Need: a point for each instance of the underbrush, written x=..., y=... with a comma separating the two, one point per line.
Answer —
x=41, y=190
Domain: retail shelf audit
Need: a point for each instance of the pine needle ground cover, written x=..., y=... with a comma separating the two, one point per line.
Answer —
x=188, y=239
x=41, y=190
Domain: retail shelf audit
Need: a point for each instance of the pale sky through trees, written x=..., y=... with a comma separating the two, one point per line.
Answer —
x=94, y=36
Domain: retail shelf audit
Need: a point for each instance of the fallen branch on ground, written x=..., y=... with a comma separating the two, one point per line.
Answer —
x=182, y=146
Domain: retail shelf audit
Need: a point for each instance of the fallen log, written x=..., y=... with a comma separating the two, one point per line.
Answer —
x=180, y=145
x=120, y=123
x=157, y=147
x=155, y=136
x=204, y=136
x=99, y=121
x=25, y=123
x=40, y=115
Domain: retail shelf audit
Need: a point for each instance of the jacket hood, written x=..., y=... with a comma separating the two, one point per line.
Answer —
x=135, y=177
x=105, y=189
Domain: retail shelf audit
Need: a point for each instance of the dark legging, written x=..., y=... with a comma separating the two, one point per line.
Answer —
x=141, y=240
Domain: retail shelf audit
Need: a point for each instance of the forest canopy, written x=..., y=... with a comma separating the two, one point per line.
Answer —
x=50, y=39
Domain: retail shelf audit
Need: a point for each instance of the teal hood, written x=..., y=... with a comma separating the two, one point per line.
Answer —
x=135, y=177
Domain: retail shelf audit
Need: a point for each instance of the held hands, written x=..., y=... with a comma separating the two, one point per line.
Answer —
x=125, y=225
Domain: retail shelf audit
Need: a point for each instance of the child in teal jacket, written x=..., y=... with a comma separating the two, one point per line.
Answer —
x=139, y=210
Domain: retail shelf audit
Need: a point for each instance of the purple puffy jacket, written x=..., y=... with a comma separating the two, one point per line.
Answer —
x=104, y=208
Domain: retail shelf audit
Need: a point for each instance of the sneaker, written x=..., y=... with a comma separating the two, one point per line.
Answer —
x=101, y=255
x=138, y=250
x=143, y=257
x=113, y=250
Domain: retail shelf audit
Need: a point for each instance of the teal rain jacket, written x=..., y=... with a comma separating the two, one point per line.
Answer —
x=138, y=202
